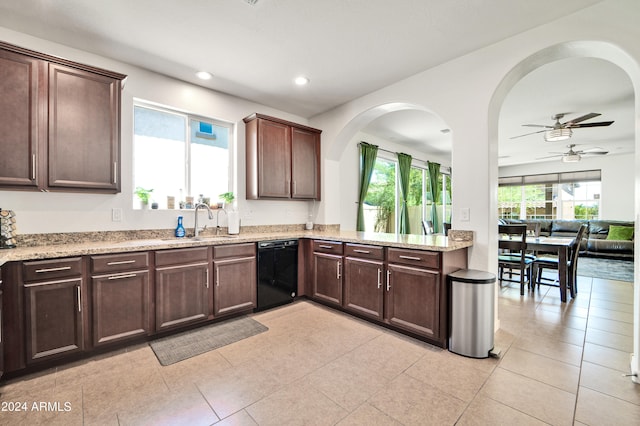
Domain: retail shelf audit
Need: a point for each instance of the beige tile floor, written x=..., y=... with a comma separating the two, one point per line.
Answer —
x=561, y=364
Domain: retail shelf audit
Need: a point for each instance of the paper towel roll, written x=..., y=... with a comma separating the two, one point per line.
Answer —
x=233, y=219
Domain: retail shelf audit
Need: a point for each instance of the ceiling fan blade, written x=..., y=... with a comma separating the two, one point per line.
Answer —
x=550, y=156
x=598, y=124
x=582, y=118
x=593, y=152
x=526, y=134
x=538, y=125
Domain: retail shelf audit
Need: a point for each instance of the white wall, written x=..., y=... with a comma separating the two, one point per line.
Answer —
x=38, y=212
x=617, y=198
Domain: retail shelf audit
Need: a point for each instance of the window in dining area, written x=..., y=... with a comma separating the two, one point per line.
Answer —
x=572, y=195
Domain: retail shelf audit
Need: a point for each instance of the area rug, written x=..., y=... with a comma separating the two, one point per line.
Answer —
x=179, y=347
x=613, y=269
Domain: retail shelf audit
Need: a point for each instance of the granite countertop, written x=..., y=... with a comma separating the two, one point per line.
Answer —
x=456, y=240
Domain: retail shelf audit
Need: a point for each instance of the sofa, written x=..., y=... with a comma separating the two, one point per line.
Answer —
x=596, y=242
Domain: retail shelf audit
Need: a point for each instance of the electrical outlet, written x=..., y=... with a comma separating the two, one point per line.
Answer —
x=116, y=215
x=465, y=214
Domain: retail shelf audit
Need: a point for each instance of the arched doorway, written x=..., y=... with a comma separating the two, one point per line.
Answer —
x=595, y=49
x=394, y=127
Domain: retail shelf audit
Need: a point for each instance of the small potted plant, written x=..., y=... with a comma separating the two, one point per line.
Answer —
x=144, y=195
x=228, y=198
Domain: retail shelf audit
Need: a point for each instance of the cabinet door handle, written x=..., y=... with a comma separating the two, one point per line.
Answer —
x=338, y=270
x=324, y=246
x=207, y=277
x=294, y=187
x=120, y=262
x=115, y=172
x=379, y=277
x=33, y=167
x=217, y=276
x=61, y=268
x=388, y=280
x=79, y=295
x=410, y=257
x=361, y=251
x=121, y=276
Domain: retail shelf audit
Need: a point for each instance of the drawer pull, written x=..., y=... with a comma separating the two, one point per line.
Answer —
x=410, y=257
x=120, y=262
x=324, y=246
x=361, y=251
x=118, y=277
x=61, y=268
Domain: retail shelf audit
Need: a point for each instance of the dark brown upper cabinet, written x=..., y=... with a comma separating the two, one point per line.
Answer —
x=283, y=159
x=60, y=124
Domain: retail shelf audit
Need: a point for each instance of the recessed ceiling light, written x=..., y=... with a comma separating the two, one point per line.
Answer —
x=301, y=81
x=203, y=75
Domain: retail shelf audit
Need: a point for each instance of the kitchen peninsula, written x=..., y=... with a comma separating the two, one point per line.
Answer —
x=112, y=293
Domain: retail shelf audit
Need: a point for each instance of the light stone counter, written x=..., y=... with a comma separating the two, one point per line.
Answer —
x=457, y=240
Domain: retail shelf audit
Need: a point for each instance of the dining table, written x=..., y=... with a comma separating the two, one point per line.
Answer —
x=561, y=247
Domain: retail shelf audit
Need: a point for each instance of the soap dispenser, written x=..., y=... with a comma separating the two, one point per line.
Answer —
x=180, y=228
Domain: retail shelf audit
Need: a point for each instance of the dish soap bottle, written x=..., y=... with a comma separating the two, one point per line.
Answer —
x=180, y=229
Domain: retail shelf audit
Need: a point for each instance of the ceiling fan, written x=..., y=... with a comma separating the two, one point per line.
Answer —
x=573, y=156
x=562, y=131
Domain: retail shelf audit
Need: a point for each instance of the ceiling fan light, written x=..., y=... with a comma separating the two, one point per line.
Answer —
x=571, y=158
x=555, y=135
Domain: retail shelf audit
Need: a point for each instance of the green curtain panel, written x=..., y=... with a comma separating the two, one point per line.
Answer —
x=434, y=190
x=368, y=154
x=404, y=169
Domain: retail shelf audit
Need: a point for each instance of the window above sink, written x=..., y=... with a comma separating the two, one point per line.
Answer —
x=180, y=155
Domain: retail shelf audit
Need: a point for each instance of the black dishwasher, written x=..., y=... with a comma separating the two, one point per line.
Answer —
x=277, y=273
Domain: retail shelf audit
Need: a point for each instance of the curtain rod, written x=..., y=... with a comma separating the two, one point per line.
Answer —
x=391, y=152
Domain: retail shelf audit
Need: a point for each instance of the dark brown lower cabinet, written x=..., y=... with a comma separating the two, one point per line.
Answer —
x=182, y=295
x=53, y=312
x=413, y=299
x=235, y=281
x=1, y=332
x=234, y=287
x=364, y=287
x=182, y=287
x=120, y=306
x=327, y=278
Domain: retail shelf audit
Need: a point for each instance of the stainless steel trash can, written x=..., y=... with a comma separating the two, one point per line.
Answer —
x=471, y=312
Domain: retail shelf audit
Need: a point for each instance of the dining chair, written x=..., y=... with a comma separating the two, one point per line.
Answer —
x=533, y=230
x=427, y=227
x=551, y=262
x=513, y=255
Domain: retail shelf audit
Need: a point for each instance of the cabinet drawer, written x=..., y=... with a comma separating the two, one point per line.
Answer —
x=119, y=262
x=50, y=269
x=332, y=247
x=181, y=256
x=424, y=259
x=234, y=250
x=364, y=251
